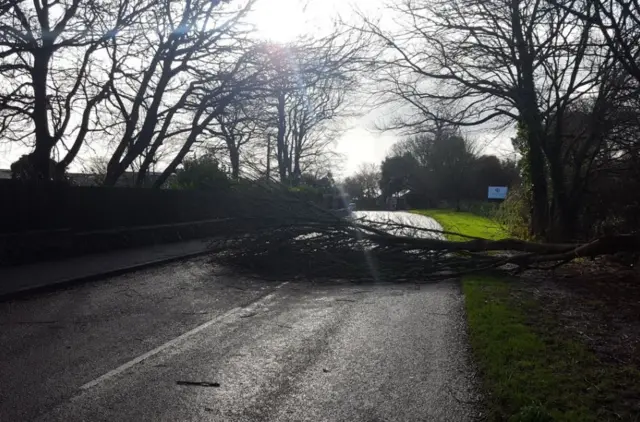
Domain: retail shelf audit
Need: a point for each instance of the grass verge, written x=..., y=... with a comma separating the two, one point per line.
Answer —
x=532, y=370
x=538, y=373
x=466, y=223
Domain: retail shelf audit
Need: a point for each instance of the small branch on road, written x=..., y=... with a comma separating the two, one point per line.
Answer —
x=198, y=383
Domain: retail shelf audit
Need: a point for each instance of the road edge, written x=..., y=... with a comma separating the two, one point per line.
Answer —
x=73, y=281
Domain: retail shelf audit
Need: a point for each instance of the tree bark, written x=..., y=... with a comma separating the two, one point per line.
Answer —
x=234, y=157
x=281, y=147
x=560, y=217
x=39, y=159
x=539, y=200
x=530, y=116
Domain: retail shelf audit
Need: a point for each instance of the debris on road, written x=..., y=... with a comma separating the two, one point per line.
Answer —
x=275, y=234
x=198, y=383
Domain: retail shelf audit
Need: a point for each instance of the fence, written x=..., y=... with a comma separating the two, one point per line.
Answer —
x=32, y=207
x=48, y=221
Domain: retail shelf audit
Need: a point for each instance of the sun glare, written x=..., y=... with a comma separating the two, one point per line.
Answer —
x=280, y=20
x=284, y=20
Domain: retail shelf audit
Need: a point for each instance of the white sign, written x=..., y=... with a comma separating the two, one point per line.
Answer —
x=497, y=192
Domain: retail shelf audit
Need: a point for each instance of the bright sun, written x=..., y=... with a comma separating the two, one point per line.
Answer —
x=280, y=20
x=284, y=20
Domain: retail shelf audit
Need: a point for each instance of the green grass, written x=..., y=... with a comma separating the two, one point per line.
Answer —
x=466, y=223
x=531, y=370
x=527, y=377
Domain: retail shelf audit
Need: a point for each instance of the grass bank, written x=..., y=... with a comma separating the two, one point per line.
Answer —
x=532, y=370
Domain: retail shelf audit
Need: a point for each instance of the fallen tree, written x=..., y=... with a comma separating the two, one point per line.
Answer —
x=273, y=233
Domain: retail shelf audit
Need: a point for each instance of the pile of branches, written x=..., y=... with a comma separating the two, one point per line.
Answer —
x=273, y=233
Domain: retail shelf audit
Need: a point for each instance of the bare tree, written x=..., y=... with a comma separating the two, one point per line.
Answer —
x=311, y=81
x=190, y=61
x=619, y=25
x=236, y=127
x=138, y=78
x=51, y=79
x=311, y=116
x=504, y=62
x=364, y=184
x=145, y=82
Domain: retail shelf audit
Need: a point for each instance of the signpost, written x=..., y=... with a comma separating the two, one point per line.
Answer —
x=497, y=192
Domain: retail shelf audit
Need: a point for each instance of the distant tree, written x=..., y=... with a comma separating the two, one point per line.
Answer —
x=327, y=181
x=97, y=168
x=308, y=86
x=364, y=184
x=352, y=187
x=369, y=176
x=396, y=173
x=309, y=179
x=438, y=165
x=237, y=129
x=202, y=172
x=487, y=171
x=449, y=167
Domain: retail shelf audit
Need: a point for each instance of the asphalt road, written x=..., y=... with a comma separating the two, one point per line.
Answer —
x=402, y=217
x=187, y=342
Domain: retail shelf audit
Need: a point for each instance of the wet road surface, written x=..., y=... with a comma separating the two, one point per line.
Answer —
x=189, y=342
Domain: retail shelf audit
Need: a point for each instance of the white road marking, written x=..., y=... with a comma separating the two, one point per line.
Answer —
x=233, y=314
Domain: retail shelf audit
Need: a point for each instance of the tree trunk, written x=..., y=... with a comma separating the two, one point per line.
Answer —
x=539, y=200
x=269, y=157
x=234, y=157
x=150, y=157
x=289, y=158
x=526, y=100
x=280, y=144
x=536, y=169
x=296, y=167
x=39, y=159
x=177, y=160
x=141, y=177
x=560, y=218
x=118, y=164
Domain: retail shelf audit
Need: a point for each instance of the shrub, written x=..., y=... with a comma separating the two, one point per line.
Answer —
x=201, y=173
x=513, y=213
x=307, y=193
